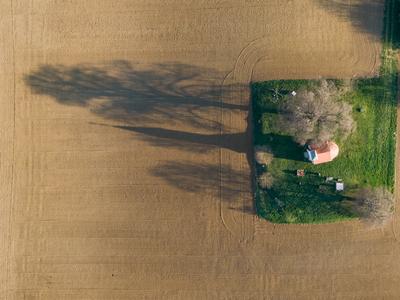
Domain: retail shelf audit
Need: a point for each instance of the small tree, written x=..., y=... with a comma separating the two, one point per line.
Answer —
x=263, y=155
x=265, y=180
x=316, y=116
x=375, y=206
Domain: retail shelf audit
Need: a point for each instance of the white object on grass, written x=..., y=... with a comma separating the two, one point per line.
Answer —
x=339, y=186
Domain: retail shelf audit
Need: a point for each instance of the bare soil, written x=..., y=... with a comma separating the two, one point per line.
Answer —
x=124, y=155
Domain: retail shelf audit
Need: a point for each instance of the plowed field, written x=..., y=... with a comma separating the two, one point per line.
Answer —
x=124, y=151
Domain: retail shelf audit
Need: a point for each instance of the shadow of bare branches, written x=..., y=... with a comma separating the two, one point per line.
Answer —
x=364, y=15
x=136, y=94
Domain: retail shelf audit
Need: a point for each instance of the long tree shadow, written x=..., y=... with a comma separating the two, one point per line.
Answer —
x=282, y=146
x=136, y=94
x=193, y=142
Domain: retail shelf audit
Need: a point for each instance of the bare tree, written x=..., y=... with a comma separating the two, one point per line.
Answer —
x=375, y=206
x=317, y=116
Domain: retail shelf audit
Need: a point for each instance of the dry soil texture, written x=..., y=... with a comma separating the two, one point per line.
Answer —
x=124, y=141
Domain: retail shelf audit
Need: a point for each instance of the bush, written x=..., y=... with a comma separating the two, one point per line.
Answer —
x=263, y=155
x=375, y=206
x=265, y=180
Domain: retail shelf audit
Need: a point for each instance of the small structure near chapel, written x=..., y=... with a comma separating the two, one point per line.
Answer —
x=339, y=186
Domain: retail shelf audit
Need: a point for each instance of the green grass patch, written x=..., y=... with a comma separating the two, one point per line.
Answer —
x=367, y=157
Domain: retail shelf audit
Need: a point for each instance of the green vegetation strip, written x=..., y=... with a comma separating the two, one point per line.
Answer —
x=367, y=157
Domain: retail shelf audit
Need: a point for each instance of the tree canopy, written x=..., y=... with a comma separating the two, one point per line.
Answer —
x=316, y=116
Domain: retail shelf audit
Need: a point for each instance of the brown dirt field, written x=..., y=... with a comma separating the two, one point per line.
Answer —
x=123, y=159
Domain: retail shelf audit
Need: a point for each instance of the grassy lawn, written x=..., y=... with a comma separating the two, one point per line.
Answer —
x=367, y=157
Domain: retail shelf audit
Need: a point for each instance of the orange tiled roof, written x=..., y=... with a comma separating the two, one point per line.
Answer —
x=325, y=153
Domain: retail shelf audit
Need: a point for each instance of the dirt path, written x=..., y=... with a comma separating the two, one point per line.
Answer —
x=125, y=173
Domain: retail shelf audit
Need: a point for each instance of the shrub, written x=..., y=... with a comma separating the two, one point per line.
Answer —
x=375, y=206
x=263, y=155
